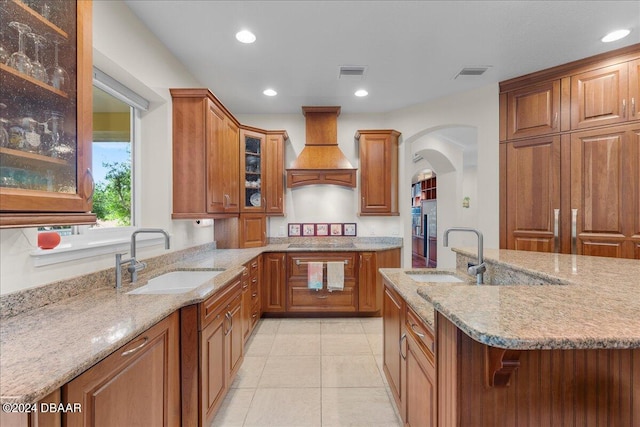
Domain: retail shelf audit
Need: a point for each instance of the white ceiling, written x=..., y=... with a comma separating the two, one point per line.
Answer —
x=412, y=49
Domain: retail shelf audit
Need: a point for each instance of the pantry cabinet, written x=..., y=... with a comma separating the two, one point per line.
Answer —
x=572, y=187
x=378, y=172
x=46, y=117
x=139, y=384
x=605, y=212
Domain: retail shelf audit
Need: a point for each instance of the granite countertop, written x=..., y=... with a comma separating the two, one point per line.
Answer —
x=43, y=348
x=541, y=301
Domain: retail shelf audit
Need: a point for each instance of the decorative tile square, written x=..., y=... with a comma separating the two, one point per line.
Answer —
x=291, y=371
x=357, y=407
x=350, y=371
x=285, y=407
x=345, y=344
x=296, y=345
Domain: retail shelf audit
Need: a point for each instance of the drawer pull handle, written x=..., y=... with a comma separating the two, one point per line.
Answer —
x=254, y=280
x=298, y=262
x=413, y=327
x=145, y=340
x=556, y=231
x=254, y=315
x=402, y=338
x=253, y=295
x=322, y=296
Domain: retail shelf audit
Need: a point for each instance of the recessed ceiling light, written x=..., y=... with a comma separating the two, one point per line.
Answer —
x=361, y=93
x=615, y=35
x=270, y=92
x=245, y=36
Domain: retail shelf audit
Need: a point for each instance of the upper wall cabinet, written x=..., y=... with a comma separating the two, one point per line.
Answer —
x=205, y=156
x=601, y=97
x=378, y=172
x=46, y=113
x=220, y=167
x=274, y=185
x=534, y=110
x=252, y=171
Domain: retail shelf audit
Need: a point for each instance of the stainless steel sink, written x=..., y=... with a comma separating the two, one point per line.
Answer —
x=176, y=282
x=435, y=277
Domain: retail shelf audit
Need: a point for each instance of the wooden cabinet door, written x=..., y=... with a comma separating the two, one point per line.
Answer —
x=634, y=89
x=222, y=162
x=139, y=384
x=253, y=230
x=235, y=339
x=213, y=370
x=53, y=187
x=533, y=194
x=393, y=358
x=420, y=387
x=378, y=172
x=273, y=286
x=367, y=292
x=604, y=192
x=599, y=97
x=252, y=167
x=534, y=110
x=274, y=174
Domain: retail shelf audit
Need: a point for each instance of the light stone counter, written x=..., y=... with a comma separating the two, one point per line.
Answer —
x=51, y=334
x=541, y=301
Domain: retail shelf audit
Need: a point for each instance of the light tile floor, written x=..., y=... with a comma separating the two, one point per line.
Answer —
x=311, y=372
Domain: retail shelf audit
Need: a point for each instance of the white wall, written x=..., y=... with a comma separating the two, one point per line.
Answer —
x=126, y=50
x=479, y=109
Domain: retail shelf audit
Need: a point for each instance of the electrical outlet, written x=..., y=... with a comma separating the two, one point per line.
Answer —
x=395, y=231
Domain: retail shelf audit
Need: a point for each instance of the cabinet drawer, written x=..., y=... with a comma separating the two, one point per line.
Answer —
x=217, y=304
x=297, y=263
x=303, y=299
x=253, y=267
x=420, y=331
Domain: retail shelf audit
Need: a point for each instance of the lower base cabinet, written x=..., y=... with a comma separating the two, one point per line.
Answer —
x=409, y=361
x=212, y=346
x=44, y=417
x=139, y=384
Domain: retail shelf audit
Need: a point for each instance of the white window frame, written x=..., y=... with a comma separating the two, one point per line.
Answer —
x=87, y=242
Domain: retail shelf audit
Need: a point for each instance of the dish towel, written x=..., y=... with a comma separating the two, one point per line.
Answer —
x=335, y=276
x=314, y=275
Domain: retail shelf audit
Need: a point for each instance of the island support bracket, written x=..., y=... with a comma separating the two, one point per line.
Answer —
x=500, y=365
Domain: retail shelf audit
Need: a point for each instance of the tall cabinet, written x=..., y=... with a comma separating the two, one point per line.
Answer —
x=46, y=114
x=570, y=158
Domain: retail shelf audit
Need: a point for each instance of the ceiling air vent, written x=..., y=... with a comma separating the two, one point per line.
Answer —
x=351, y=71
x=471, y=72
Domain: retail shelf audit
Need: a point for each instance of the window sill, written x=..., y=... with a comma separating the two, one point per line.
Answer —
x=93, y=243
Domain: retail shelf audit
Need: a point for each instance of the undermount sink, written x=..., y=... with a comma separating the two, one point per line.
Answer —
x=322, y=246
x=176, y=282
x=435, y=278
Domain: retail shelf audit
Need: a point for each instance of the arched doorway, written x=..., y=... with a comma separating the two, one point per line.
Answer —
x=451, y=153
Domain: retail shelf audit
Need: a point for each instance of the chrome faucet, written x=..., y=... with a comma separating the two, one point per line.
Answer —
x=479, y=268
x=135, y=265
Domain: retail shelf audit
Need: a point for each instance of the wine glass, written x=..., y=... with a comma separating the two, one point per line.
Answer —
x=37, y=69
x=19, y=60
x=59, y=77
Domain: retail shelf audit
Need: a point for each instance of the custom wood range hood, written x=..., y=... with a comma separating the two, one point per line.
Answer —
x=321, y=161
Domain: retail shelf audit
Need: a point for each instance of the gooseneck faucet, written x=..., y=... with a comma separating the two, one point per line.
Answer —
x=135, y=265
x=479, y=268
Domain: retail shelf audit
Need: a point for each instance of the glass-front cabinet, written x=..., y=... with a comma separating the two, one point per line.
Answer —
x=45, y=113
x=252, y=171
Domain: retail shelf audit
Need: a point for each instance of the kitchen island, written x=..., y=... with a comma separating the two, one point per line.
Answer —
x=550, y=340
